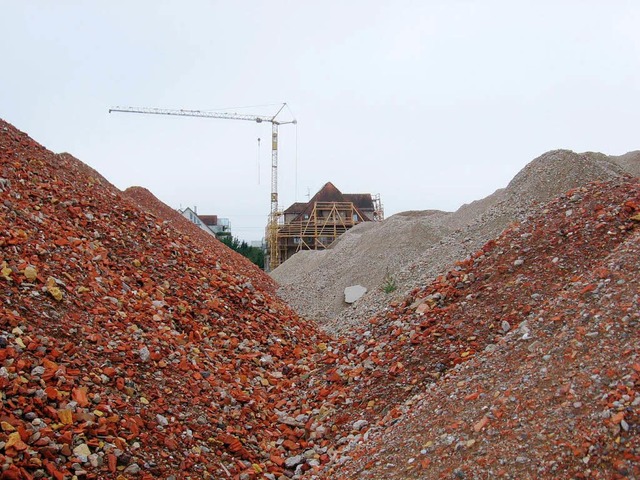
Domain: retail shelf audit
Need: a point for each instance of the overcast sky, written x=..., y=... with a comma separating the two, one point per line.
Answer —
x=432, y=104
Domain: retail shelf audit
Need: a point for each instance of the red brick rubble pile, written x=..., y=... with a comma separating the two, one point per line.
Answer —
x=128, y=349
x=521, y=362
x=149, y=203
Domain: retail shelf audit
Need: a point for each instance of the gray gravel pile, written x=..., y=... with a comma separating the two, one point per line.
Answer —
x=408, y=248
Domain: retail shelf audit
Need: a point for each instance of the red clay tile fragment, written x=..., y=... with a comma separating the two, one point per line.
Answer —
x=481, y=424
x=80, y=396
x=617, y=418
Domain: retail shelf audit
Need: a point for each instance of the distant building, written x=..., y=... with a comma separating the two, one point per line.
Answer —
x=212, y=224
x=219, y=226
x=316, y=224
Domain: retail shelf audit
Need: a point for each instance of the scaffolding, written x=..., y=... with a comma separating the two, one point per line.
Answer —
x=317, y=230
x=378, y=209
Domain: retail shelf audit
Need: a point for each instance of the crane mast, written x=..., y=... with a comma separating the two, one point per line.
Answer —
x=274, y=213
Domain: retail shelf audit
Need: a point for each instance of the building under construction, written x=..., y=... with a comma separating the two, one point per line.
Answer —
x=314, y=225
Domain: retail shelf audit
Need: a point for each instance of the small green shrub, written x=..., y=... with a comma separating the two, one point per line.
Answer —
x=389, y=284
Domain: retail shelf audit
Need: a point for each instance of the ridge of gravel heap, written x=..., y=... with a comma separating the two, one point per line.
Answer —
x=129, y=348
x=148, y=202
x=522, y=361
x=413, y=247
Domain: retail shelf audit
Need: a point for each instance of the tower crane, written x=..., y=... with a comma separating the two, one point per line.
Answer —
x=274, y=214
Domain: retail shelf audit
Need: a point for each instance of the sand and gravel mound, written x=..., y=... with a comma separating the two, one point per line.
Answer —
x=413, y=247
x=315, y=280
x=630, y=162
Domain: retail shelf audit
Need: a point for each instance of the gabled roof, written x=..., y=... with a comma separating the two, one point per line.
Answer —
x=329, y=193
x=363, y=201
x=297, y=207
x=209, y=219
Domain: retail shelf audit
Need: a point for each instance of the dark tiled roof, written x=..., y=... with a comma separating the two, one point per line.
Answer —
x=209, y=219
x=363, y=201
x=297, y=207
x=329, y=193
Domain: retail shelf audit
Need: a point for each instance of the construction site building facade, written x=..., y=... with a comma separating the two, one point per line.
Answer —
x=316, y=224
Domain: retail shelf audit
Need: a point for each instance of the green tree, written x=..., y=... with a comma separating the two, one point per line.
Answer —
x=254, y=254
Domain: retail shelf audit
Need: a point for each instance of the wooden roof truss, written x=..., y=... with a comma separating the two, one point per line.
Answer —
x=326, y=222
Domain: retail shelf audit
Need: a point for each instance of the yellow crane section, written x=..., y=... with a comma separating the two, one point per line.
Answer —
x=274, y=214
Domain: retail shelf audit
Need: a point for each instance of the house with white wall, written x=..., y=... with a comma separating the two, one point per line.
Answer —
x=209, y=223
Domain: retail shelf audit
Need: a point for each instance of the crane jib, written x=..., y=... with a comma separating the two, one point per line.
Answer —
x=272, y=227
